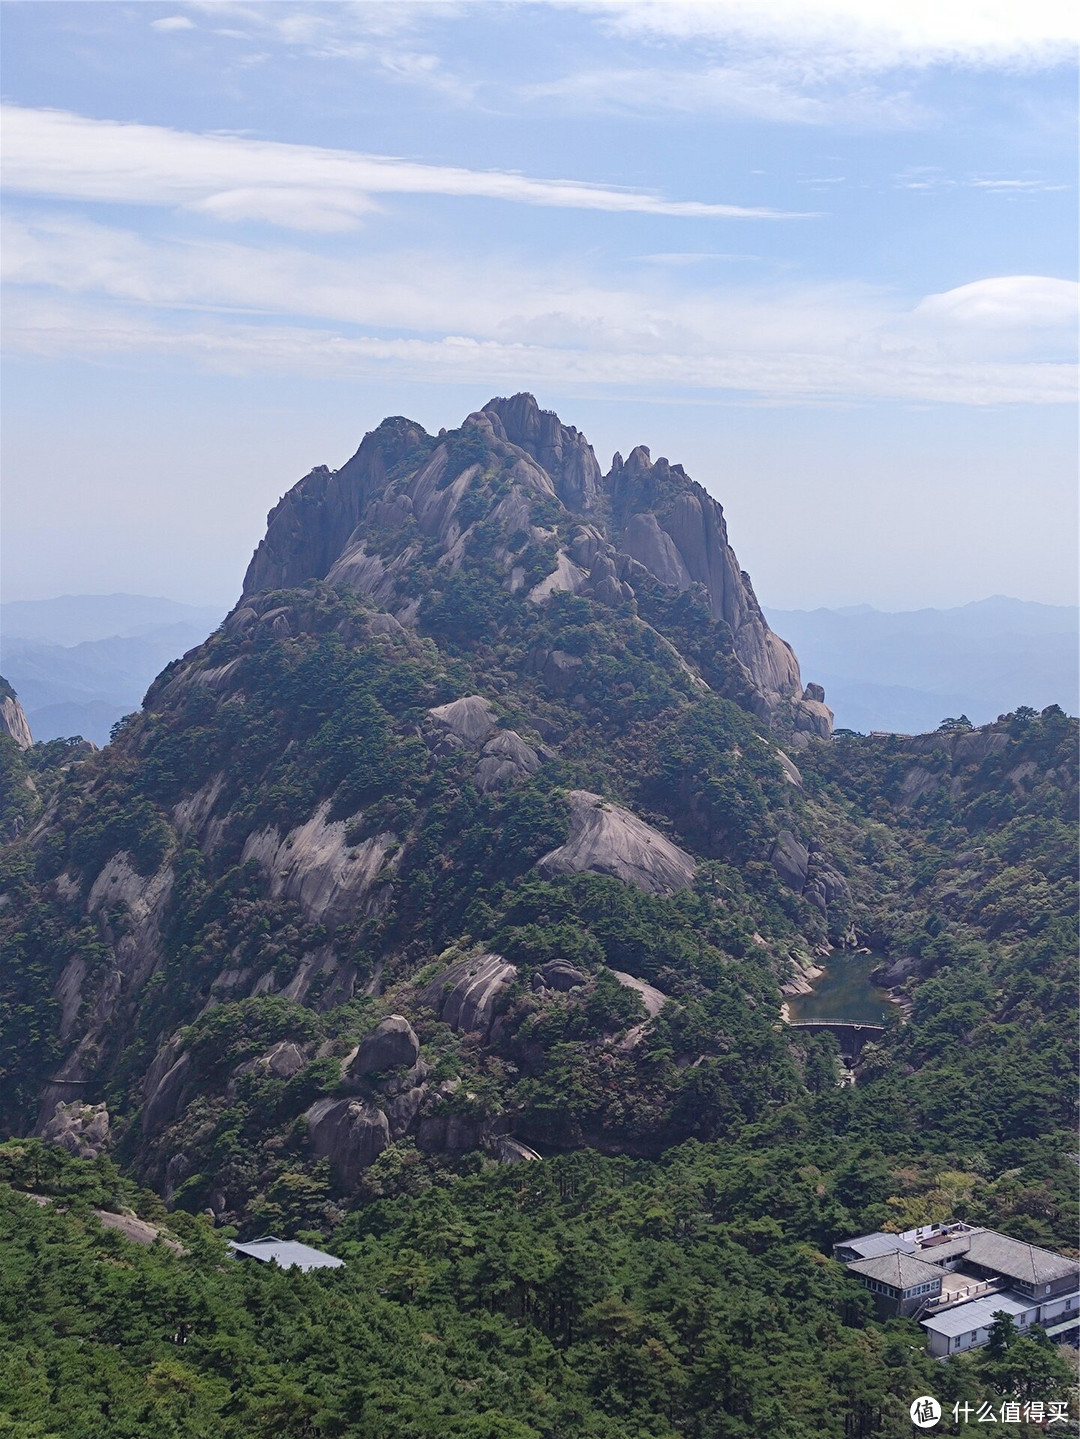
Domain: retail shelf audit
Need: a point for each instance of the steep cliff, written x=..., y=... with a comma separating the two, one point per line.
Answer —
x=13, y=719
x=513, y=483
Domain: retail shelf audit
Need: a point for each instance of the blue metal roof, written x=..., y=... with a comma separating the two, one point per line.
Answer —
x=288, y=1253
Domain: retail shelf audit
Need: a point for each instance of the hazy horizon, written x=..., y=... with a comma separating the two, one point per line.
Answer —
x=210, y=601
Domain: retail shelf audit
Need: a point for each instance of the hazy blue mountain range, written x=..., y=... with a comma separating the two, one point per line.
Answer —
x=79, y=662
x=907, y=671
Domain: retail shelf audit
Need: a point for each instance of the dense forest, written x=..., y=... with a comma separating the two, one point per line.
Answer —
x=492, y=826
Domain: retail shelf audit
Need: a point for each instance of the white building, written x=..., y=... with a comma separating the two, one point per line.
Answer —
x=954, y=1277
x=967, y=1326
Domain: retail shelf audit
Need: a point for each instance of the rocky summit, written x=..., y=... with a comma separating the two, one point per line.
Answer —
x=522, y=494
x=493, y=826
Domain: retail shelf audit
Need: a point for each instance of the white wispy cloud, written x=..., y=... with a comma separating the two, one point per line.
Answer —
x=56, y=153
x=808, y=62
x=377, y=34
x=764, y=87
x=868, y=35
x=928, y=177
x=173, y=22
x=82, y=289
x=60, y=330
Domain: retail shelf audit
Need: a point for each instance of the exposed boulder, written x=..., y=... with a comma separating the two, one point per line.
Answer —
x=608, y=839
x=790, y=859
x=653, y=999
x=351, y=1133
x=813, y=716
x=565, y=576
x=137, y=1231
x=81, y=1129
x=560, y=670
x=282, y=1060
x=401, y=1109
x=391, y=1043
x=471, y=719
x=512, y=1151
x=440, y=1133
x=466, y=994
x=897, y=971
x=791, y=770
x=826, y=889
x=506, y=758
x=559, y=974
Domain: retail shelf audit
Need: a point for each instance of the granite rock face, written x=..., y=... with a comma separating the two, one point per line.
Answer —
x=81, y=1129
x=790, y=859
x=466, y=995
x=391, y=1043
x=314, y=864
x=295, y=549
x=559, y=974
x=560, y=449
x=351, y=1133
x=13, y=719
x=643, y=522
x=608, y=839
x=506, y=758
x=470, y=719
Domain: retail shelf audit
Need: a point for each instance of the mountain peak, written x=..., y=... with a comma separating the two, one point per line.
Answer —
x=560, y=449
x=516, y=498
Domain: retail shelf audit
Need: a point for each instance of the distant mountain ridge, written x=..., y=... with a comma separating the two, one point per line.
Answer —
x=81, y=662
x=906, y=671
x=76, y=619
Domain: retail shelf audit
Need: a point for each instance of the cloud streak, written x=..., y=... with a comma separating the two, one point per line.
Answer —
x=804, y=62
x=866, y=35
x=306, y=187
x=51, y=330
x=88, y=290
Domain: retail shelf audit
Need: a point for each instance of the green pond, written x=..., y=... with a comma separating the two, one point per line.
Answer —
x=844, y=991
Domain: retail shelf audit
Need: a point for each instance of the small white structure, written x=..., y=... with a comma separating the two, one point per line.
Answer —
x=968, y=1325
x=287, y=1253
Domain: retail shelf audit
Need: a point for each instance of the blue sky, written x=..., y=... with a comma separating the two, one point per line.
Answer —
x=822, y=253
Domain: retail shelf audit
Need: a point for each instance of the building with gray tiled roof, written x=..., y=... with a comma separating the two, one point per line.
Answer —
x=939, y=1269
x=903, y=1282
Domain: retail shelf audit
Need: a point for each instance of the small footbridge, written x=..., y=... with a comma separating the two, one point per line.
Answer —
x=849, y=1037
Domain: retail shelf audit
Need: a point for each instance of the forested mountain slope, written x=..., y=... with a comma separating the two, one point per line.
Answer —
x=488, y=826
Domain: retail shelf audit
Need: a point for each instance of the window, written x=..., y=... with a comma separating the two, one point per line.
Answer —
x=956, y=1342
x=1047, y=1289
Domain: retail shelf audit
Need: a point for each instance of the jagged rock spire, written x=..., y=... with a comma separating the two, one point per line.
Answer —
x=363, y=524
